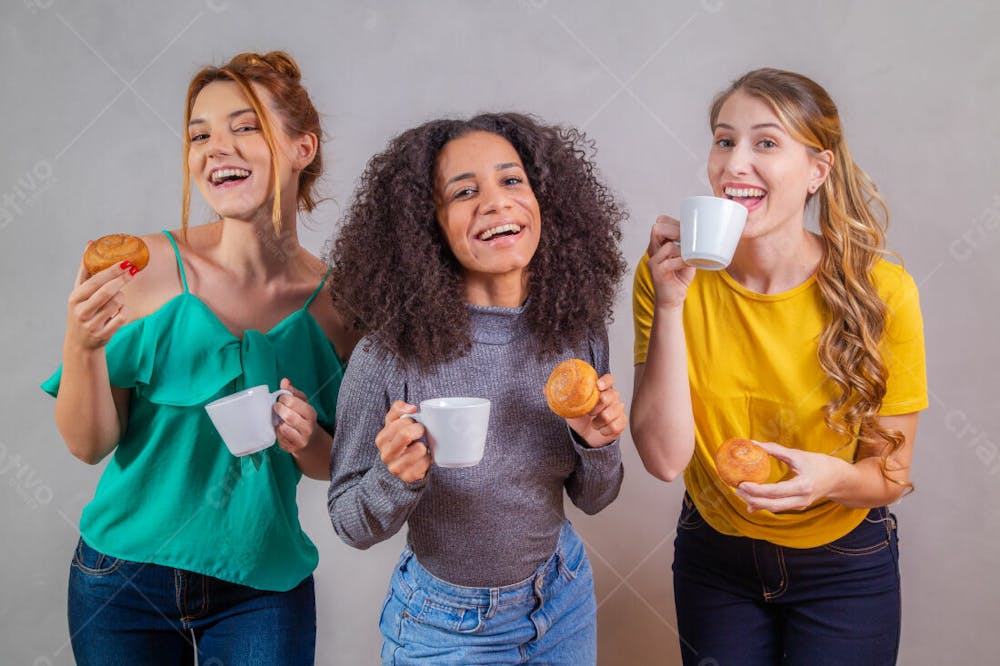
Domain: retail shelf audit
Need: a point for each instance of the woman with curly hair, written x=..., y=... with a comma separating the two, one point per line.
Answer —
x=476, y=254
x=189, y=554
x=811, y=343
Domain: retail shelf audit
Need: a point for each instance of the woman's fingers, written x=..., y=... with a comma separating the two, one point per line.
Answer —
x=665, y=230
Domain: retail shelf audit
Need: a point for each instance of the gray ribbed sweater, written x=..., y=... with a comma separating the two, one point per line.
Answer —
x=482, y=526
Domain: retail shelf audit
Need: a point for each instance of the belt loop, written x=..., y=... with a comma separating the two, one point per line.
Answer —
x=494, y=603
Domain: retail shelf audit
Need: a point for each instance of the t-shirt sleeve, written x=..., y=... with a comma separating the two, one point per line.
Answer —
x=903, y=346
x=643, y=298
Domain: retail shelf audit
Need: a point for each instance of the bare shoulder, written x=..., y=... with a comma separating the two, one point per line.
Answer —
x=334, y=323
x=158, y=282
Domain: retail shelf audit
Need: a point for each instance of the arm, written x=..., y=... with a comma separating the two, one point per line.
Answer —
x=595, y=482
x=300, y=434
x=90, y=413
x=367, y=502
x=661, y=416
x=860, y=485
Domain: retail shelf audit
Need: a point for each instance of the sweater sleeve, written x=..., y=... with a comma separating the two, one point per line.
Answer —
x=595, y=482
x=367, y=503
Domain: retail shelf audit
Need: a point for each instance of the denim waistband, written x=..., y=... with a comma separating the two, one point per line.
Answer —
x=569, y=546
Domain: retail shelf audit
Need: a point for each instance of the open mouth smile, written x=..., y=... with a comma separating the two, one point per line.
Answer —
x=224, y=176
x=500, y=231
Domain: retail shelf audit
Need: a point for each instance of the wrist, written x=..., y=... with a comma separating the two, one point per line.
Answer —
x=669, y=308
x=843, y=480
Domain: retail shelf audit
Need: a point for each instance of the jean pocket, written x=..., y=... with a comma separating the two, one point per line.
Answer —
x=873, y=535
x=690, y=518
x=94, y=562
x=448, y=617
x=571, y=561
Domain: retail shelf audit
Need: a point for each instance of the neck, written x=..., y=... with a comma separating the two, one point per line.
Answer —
x=771, y=265
x=251, y=248
x=506, y=291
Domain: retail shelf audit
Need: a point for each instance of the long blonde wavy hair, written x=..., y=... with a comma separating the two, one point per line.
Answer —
x=852, y=220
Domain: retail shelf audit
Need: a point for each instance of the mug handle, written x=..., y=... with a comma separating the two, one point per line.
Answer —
x=416, y=416
x=275, y=419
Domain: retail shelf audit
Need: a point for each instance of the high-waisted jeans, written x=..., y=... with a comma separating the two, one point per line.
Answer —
x=749, y=602
x=129, y=613
x=549, y=618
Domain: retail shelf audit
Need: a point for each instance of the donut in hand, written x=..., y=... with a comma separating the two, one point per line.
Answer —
x=114, y=249
x=740, y=460
x=571, y=390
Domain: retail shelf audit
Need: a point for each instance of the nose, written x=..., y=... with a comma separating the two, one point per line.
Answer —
x=495, y=199
x=219, y=143
x=739, y=162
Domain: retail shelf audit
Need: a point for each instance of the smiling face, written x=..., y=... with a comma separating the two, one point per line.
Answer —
x=489, y=215
x=229, y=159
x=755, y=161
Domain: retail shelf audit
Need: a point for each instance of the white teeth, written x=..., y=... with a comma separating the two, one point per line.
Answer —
x=221, y=174
x=744, y=192
x=490, y=233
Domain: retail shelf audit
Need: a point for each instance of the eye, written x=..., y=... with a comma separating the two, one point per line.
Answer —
x=512, y=180
x=464, y=193
x=245, y=128
x=767, y=143
x=724, y=143
x=195, y=138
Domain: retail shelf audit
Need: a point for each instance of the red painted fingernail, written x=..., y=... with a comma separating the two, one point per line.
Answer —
x=125, y=264
x=133, y=270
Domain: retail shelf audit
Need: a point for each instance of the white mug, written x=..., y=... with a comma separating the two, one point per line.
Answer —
x=710, y=231
x=456, y=429
x=246, y=420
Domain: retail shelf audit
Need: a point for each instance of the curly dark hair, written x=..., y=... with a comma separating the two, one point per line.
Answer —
x=394, y=273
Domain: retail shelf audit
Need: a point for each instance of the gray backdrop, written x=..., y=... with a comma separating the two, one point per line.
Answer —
x=92, y=101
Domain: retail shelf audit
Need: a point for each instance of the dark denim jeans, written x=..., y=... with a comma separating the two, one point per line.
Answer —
x=748, y=602
x=129, y=613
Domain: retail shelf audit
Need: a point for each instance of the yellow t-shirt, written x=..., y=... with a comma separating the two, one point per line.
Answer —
x=754, y=372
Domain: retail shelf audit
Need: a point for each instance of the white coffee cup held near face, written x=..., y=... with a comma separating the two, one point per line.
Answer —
x=456, y=429
x=246, y=420
x=710, y=231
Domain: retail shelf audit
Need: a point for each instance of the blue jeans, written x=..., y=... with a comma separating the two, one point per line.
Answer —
x=123, y=612
x=745, y=601
x=549, y=618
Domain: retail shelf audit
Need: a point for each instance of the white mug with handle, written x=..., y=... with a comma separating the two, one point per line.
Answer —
x=246, y=420
x=456, y=429
x=710, y=231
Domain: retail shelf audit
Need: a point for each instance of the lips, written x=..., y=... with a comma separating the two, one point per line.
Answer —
x=499, y=231
x=224, y=175
x=747, y=195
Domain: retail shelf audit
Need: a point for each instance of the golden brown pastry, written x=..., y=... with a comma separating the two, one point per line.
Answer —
x=114, y=249
x=741, y=460
x=571, y=390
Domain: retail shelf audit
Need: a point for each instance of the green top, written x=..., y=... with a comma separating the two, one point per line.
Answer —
x=172, y=494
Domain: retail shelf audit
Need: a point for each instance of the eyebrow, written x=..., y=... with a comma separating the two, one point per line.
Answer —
x=755, y=127
x=469, y=174
x=195, y=121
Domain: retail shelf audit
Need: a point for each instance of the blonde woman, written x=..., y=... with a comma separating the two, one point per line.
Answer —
x=809, y=343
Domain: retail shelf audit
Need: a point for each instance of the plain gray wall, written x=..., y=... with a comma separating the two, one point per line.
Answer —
x=92, y=107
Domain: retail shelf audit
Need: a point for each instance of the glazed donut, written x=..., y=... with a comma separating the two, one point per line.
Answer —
x=114, y=249
x=571, y=390
x=741, y=460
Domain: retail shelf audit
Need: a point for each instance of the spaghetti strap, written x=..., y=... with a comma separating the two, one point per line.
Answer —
x=180, y=264
x=317, y=290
